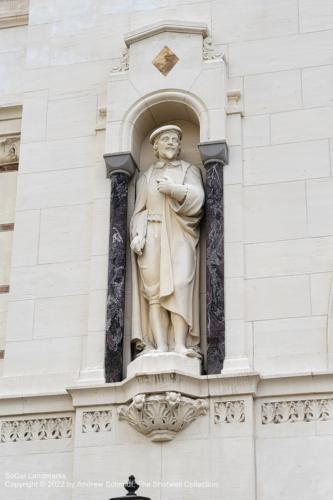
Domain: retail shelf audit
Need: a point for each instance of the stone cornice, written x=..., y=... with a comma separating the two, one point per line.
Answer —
x=239, y=385
x=166, y=26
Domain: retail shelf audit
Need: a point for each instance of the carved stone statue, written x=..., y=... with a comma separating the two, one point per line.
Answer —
x=165, y=253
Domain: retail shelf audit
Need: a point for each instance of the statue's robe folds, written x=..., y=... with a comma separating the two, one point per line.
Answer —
x=179, y=250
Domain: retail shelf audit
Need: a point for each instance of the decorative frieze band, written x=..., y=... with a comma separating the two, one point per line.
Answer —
x=229, y=412
x=36, y=429
x=97, y=421
x=310, y=410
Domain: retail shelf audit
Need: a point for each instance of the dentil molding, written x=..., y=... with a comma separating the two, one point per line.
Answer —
x=161, y=416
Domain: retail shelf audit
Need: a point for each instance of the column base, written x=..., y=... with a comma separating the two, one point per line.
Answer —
x=164, y=362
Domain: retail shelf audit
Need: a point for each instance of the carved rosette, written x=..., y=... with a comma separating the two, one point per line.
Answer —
x=161, y=416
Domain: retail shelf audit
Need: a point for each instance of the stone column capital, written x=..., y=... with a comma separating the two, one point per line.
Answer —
x=120, y=163
x=214, y=152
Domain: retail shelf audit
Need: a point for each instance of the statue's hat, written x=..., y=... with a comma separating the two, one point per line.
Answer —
x=165, y=128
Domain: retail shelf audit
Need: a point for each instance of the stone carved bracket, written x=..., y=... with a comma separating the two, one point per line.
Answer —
x=9, y=149
x=160, y=417
x=311, y=410
x=37, y=429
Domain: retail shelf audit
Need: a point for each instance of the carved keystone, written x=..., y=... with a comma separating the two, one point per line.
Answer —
x=161, y=416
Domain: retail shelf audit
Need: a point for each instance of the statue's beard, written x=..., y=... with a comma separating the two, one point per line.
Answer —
x=170, y=154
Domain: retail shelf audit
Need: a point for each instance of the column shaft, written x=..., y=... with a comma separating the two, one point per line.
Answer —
x=116, y=278
x=215, y=268
x=120, y=167
x=214, y=156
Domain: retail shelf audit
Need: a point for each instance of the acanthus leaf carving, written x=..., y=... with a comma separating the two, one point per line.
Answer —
x=229, y=412
x=123, y=64
x=96, y=421
x=209, y=51
x=160, y=417
x=36, y=429
x=311, y=410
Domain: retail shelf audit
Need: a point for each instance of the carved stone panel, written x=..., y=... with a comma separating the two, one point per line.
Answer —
x=36, y=429
x=310, y=410
x=96, y=421
x=229, y=412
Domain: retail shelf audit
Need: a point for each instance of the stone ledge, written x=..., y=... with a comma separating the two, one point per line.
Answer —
x=13, y=21
x=35, y=404
x=14, y=13
x=212, y=386
x=295, y=383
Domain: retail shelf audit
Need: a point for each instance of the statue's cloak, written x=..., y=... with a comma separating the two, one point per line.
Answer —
x=179, y=280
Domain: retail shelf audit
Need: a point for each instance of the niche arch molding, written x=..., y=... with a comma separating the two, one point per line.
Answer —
x=135, y=126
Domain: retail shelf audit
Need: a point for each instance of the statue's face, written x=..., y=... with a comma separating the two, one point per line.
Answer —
x=167, y=145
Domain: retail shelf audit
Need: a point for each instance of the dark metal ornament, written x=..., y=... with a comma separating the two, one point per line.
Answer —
x=131, y=486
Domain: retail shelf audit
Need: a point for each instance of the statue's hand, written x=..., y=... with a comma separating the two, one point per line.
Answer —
x=165, y=185
x=137, y=244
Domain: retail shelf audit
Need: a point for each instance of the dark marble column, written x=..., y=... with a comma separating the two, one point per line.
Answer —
x=214, y=156
x=120, y=167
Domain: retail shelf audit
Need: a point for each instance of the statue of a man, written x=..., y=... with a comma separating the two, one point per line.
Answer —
x=165, y=253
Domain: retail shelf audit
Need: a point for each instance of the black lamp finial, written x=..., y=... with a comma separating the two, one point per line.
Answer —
x=131, y=486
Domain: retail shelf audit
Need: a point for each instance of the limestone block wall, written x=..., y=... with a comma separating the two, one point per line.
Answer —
x=277, y=183
x=287, y=126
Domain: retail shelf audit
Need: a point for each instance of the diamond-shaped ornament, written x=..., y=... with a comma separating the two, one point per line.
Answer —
x=165, y=60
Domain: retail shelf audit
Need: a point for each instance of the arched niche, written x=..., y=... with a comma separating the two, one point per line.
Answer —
x=148, y=118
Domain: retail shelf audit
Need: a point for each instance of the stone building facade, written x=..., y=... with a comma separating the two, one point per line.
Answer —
x=85, y=78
